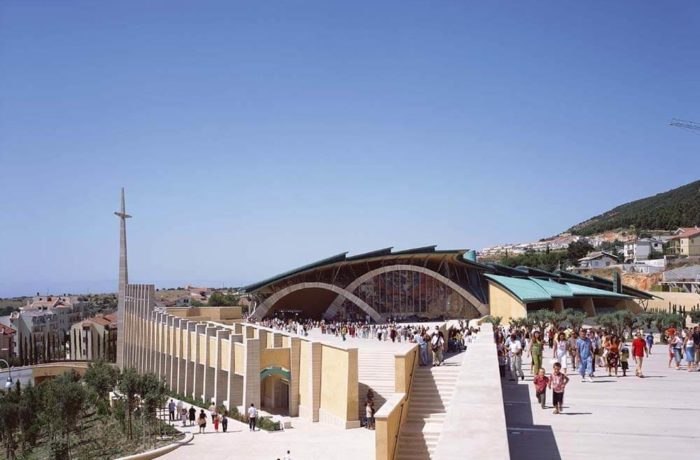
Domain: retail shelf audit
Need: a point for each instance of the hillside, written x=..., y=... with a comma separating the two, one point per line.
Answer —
x=679, y=207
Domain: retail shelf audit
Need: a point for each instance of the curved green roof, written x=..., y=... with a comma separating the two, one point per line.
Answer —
x=524, y=289
x=536, y=290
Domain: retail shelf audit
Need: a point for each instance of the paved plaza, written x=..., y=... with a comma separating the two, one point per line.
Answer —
x=621, y=418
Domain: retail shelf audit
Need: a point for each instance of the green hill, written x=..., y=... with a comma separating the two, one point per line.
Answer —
x=679, y=207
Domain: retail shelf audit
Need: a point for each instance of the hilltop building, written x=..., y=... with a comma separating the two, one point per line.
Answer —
x=685, y=242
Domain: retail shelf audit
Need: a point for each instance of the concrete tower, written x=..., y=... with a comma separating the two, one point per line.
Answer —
x=123, y=281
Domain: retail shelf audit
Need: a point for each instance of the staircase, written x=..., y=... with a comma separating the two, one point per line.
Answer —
x=375, y=371
x=430, y=396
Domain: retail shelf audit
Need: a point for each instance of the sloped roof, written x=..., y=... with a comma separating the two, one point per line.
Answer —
x=534, y=290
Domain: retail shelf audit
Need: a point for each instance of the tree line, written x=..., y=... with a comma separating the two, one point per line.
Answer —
x=73, y=417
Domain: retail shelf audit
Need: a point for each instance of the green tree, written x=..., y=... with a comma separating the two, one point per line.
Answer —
x=9, y=422
x=219, y=299
x=129, y=386
x=101, y=378
x=64, y=399
x=578, y=250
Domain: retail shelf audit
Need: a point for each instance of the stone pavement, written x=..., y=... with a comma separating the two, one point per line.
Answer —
x=621, y=418
x=305, y=441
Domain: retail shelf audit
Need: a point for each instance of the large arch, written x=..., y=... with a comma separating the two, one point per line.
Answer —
x=263, y=308
x=468, y=296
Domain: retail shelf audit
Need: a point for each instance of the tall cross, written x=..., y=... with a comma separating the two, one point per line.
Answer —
x=123, y=281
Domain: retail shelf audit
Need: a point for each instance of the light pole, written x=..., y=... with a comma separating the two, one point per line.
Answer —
x=8, y=383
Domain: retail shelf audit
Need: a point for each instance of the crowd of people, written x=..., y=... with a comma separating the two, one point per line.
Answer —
x=584, y=351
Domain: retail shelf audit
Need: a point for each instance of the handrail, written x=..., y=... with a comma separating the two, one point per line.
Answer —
x=408, y=392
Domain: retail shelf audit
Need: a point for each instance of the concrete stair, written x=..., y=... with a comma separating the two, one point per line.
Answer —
x=430, y=396
x=375, y=371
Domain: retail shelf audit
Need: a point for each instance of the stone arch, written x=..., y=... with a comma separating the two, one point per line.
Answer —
x=468, y=296
x=263, y=308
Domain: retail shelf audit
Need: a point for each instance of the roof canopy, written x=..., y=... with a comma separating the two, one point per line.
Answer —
x=536, y=290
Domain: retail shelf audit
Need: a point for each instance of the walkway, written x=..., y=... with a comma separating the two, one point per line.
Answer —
x=621, y=418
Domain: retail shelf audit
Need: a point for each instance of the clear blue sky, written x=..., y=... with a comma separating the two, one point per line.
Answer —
x=255, y=137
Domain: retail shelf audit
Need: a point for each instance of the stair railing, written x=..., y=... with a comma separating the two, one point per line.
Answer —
x=405, y=403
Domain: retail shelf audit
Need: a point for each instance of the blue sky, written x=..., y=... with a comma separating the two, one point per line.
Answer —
x=256, y=137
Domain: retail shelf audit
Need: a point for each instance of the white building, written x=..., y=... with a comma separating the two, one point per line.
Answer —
x=642, y=249
x=598, y=259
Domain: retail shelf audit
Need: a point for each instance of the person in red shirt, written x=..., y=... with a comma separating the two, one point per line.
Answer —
x=639, y=350
x=541, y=381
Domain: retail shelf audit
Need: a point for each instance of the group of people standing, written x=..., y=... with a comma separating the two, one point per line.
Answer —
x=584, y=351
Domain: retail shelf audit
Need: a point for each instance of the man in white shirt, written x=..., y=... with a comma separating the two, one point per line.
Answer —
x=252, y=416
x=288, y=456
x=516, y=358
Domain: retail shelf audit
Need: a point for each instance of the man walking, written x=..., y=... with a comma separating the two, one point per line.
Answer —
x=171, y=410
x=584, y=352
x=516, y=358
x=252, y=416
x=639, y=347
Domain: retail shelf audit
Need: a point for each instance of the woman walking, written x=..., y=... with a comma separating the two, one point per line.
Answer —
x=613, y=355
x=202, y=421
x=536, y=353
x=689, y=346
x=561, y=351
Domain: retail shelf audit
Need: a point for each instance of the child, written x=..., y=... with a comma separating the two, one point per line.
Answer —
x=624, y=360
x=557, y=382
x=541, y=382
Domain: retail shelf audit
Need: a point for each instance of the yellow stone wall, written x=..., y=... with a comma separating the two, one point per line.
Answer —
x=339, y=384
x=225, y=355
x=503, y=303
x=277, y=357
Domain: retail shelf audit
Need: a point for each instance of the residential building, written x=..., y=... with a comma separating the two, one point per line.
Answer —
x=94, y=338
x=7, y=342
x=40, y=334
x=685, y=242
x=642, y=249
x=597, y=259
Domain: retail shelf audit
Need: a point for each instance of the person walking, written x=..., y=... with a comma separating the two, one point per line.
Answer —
x=202, y=421
x=557, y=382
x=224, y=422
x=178, y=409
x=193, y=414
x=561, y=351
x=689, y=347
x=675, y=345
x=639, y=348
x=515, y=349
x=252, y=416
x=613, y=354
x=696, y=341
x=536, y=353
x=584, y=353
x=215, y=418
x=624, y=359
x=171, y=410
x=436, y=343
x=183, y=416
x=541, y=381
x=650, y=341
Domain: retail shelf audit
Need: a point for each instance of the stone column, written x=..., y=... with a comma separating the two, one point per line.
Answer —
x=589, y=307
x=251, y=377
x=294, y=361
x=558, y=305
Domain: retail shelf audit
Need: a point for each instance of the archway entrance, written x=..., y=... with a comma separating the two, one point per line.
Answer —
x=274, y=390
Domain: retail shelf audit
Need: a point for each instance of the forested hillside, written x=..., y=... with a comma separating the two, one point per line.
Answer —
x=679, y=207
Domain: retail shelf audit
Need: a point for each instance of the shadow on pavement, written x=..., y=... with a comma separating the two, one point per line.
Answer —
x=525, y=439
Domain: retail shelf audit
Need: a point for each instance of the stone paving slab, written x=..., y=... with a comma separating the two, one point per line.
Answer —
x=614, y=417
